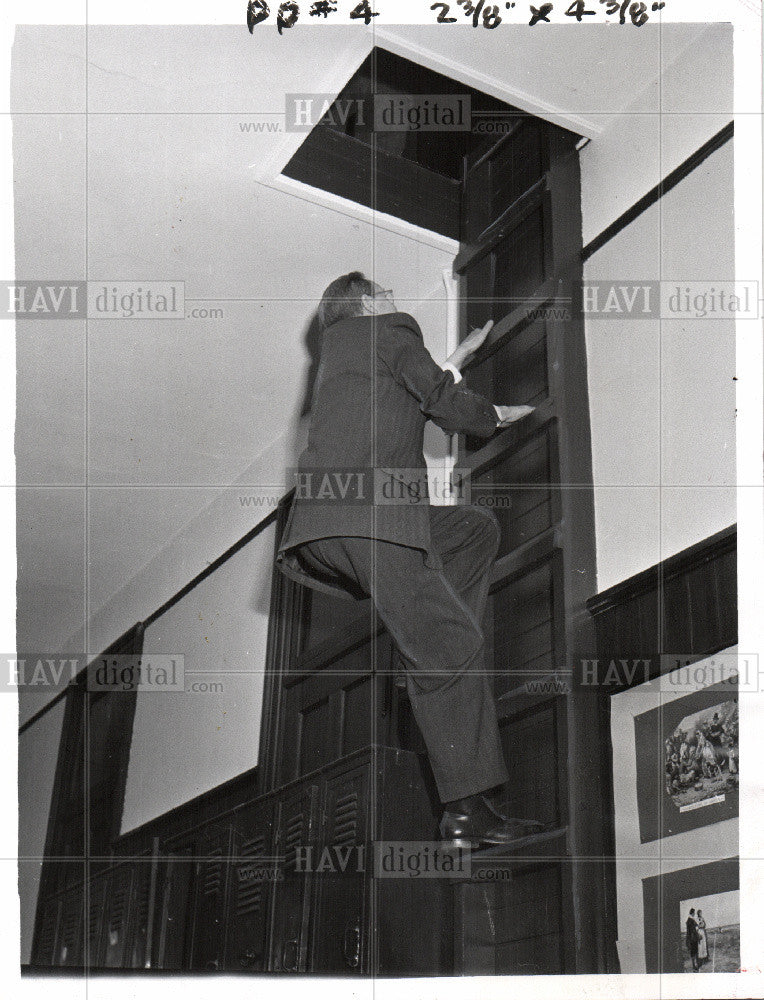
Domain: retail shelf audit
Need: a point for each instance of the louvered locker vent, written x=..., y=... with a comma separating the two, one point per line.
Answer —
x=346, y=820
x=293, y=839
x=250, y=891
x=211, y=877
x=118, y=916
x=118, y=913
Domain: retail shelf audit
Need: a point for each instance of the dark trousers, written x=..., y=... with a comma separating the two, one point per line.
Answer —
x=434, y=618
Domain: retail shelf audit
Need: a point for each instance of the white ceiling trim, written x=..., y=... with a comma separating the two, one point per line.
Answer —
x=373, y=217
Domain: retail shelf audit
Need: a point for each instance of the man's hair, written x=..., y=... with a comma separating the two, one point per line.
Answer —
x=342, y=299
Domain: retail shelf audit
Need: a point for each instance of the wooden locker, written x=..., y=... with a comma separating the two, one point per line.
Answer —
x=411, y=920
x=175, y=925
x=250, y=893
x=295, y=833
x=117, y=918
x=340, y=936
x=210, y=897
x=139, y=954
x=99, y=888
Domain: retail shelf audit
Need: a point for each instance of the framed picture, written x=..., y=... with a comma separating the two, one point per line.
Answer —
x=692, y=919
x=687, y=762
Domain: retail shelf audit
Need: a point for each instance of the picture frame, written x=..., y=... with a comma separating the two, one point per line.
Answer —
x=687, y=762
x=667, y=899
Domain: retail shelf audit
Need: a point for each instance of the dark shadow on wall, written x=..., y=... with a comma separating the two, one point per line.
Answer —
x=313, y=340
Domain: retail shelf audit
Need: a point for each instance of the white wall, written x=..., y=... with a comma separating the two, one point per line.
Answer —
x=662, y=393
x=38, y=754
x=162, y=416
x=683, y=105
x=186, y=742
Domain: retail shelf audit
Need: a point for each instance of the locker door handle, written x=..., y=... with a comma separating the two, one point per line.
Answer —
x=291, y=949
x=351, y=945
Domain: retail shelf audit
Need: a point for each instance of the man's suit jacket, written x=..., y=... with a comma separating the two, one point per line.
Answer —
x=691, y=936
x=376, y=387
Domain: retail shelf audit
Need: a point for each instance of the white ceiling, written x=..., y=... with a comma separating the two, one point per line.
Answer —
x=162, y=416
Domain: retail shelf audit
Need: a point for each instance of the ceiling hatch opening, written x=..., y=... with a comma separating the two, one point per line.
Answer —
x=372, y=148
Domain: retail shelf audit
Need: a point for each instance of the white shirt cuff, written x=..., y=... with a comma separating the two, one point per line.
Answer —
x=448, y=367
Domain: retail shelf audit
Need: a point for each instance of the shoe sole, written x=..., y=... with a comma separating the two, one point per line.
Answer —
x=460, y=843
x=475, y=842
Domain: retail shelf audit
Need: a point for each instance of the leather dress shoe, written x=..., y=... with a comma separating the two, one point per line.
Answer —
x=474, y=821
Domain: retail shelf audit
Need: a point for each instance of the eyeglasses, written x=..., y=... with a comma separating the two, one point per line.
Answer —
x=387, y=292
